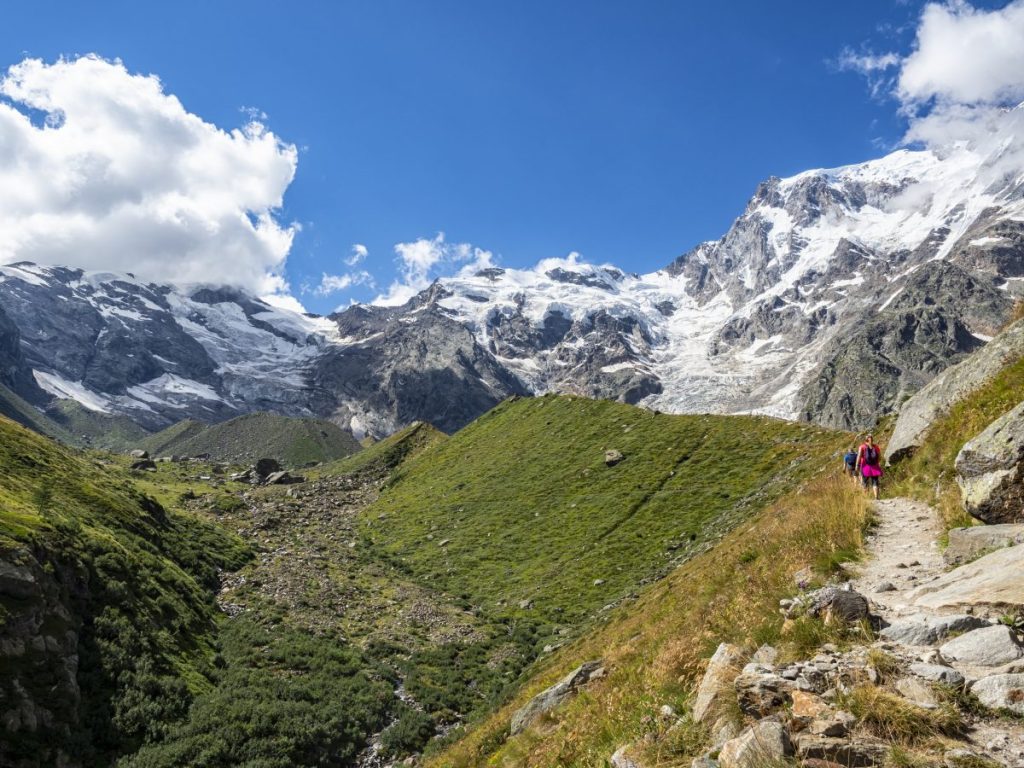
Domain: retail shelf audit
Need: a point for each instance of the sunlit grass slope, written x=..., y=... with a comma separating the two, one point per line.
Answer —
x=654, y=648
x=519, y=514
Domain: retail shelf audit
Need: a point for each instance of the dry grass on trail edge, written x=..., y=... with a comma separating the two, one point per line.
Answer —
x=656, y=649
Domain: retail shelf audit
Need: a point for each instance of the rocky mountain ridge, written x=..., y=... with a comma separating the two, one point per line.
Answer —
x=833, y=297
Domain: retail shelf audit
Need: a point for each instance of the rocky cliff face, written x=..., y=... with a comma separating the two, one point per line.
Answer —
x=833, y=297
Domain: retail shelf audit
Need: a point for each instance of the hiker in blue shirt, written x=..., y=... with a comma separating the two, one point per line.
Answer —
x=850, y=463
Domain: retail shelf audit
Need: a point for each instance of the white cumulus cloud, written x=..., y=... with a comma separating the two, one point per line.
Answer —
x=334, y=283
x=421, y=261
x=102, y=169
x=964, y=55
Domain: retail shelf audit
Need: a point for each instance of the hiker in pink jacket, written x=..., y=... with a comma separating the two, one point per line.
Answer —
x=869, y=464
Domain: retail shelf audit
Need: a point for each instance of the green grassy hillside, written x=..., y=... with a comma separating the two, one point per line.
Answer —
x=84, y=552
x=518, y=513
x=293, y=442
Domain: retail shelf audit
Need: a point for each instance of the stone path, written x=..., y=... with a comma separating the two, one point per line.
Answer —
x=904, y=557
x=903, y=552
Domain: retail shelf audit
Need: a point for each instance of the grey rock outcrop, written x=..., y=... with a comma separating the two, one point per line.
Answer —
x=1001, y=692
x=717, y=684
x=922, y=630
x=552, y=697
x=990, y=470
x=15, y=372
x=986, y=647
x=966, y=544
x=991, y=581
x=953, y=384
x=761, y=743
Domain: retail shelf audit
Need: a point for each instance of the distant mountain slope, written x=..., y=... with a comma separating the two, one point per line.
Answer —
x=834, y=295
x=292, y=441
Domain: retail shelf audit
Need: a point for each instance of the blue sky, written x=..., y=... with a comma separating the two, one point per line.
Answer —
x=625, y=131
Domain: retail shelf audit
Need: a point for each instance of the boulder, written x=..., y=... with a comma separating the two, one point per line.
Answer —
x=717, y=684
x=267, y=467
x=991, y=581
x=966, y=544
x=624, y=757
x=838, y=725
x=613, y=457
x=809, y=705
x=920, y=630
x=143, y=465
x=138, y=453
x=283, y=478
x=938, y=673
x=836, y=605
x=1001, y=692
x=986, y=647
x=953, y=384
x=762, y=743
x=550, y=698
x=916, y=692
x=761, y=693
x=990, y=470
x=842, y=751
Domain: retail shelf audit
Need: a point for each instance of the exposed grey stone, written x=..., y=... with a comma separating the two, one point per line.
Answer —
x=1001, y=692
x=613, y=457
x=953, y=384
x=991, y=581
x=717, y=683
x=552, y=697
x=985, y=647
x=990, y=470
x=920, y=630
x=761, y=742
x=966, y=544
x=267, y=467
x=938, y=673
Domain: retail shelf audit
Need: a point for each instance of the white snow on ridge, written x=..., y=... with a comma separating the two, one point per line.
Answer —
x=71, y=390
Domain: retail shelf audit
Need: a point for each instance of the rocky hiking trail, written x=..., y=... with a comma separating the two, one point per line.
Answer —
x=925, y=666
x=904, y=562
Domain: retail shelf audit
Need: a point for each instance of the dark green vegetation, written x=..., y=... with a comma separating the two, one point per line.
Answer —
x=293, y=442
x=99, y=574
x=519, y=508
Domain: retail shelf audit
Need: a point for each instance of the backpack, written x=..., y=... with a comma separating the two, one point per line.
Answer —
x=850, y=458
x=871, y=455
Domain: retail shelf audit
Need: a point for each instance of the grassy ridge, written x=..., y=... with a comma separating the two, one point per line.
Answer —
x=90, y=429
x=519, y=508
x=293, y=442
x=654, y=649
x=17, y=409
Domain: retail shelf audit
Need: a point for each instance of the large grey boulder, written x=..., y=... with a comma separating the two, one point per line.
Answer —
x=928, y=630
x=953, y=384
x=992, y=581
x=760, y=744
x=938, y=673
x=717, y=684
x=990, y=470
x=552, y=697
x=966, y=544
x=1001, y=692
x=985, y=647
